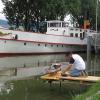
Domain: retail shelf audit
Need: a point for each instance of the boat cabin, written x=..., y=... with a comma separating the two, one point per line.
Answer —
x=57, y=27
x=53, y=27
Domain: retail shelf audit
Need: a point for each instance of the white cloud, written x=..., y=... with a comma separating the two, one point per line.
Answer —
x=1, y=9
x=2, y=16
x=1, y=6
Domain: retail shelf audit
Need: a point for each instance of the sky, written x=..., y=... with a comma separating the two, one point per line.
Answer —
x=1, y=9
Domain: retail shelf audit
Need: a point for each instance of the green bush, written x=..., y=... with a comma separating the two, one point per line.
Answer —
x=11, y=28
x=1, y=32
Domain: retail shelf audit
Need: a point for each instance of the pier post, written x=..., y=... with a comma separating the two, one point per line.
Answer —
x=89, y=51
x=97, y=43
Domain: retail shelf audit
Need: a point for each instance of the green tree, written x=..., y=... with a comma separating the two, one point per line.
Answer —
x=86, y=9
x=23, y=11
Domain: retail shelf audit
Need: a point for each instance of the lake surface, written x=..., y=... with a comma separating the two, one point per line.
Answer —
x=24, y=68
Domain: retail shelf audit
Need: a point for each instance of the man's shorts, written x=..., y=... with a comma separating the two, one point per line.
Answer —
x=75, y=72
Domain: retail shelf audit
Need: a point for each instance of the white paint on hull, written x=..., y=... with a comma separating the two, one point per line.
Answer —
x=29, y=42
x=13, y=46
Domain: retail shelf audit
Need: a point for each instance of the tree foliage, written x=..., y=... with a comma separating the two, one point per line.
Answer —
x=27, y=11
x=23, y=11
x=85, y=8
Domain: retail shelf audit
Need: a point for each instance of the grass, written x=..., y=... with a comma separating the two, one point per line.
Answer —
x=1, y=33
x=92, y=94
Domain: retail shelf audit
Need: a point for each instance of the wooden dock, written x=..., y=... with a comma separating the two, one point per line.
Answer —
x=57, y=77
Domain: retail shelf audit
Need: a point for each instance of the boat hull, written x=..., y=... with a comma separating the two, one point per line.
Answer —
x=16, y=47
x=28, y=43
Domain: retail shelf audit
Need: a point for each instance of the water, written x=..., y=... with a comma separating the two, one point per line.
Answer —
x=22, y=66
x=22, y=69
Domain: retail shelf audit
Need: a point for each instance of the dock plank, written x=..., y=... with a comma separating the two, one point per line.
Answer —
x=58, y=77
x=82, y=78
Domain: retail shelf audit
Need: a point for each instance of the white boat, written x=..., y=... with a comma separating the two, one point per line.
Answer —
x=58, y=37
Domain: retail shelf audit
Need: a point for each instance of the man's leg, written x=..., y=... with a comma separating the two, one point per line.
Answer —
x=75, y=72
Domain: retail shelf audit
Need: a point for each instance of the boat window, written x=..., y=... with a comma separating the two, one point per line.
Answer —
x=25, y=43
x=51, y=45
x=76, y=34
x=76, y=29
x=45, y=45
x=80, y=30
x=81, y=36
x=71, y=29
x=48, y=25
x=71, y=34
x=55, y=24
x=5, y=41
x=38, y=44
x=64, y=24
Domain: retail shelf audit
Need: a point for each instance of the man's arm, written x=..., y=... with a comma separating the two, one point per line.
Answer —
x=67, y=68
x=71, y=62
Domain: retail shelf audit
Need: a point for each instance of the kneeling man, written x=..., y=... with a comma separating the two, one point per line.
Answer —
x=76, y=65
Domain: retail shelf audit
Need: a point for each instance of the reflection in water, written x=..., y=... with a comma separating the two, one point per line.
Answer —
x=22, y=64
x=6, y=88
x=95, y=64
x=17, y=74
x=22, y=67
x=29, y=61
